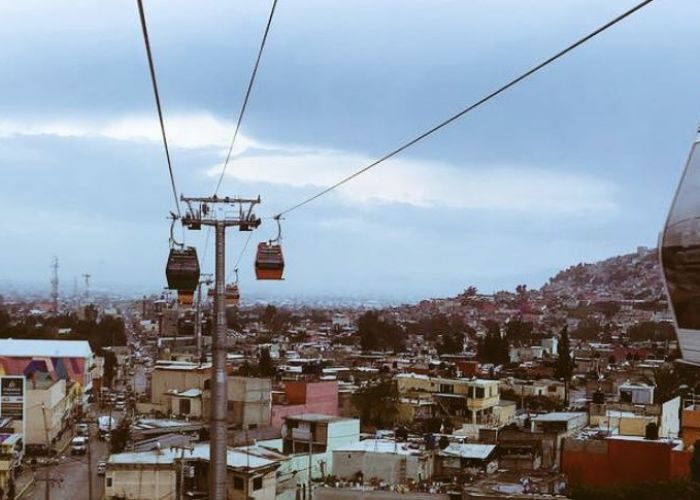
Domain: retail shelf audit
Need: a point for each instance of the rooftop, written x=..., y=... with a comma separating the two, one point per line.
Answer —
x=47, y=348
x=468, y=450
x=387, y=446
x=317, y=417
x=558, y=416
x=235, y=457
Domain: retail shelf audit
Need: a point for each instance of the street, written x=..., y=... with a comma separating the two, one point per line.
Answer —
x=69, y=479
x=139, y=379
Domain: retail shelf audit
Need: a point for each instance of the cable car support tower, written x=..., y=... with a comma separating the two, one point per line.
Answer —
x=219, y=213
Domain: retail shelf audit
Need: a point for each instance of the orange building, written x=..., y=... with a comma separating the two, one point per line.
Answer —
x=623, y=460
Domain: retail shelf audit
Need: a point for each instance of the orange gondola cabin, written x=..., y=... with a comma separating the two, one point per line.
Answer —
x=269, y=262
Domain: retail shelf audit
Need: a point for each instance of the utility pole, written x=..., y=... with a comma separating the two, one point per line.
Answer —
x=47, y=471
x=89, y=461
x=181, y=489
x=198, y=317
x=211, y=211
x=54, y=285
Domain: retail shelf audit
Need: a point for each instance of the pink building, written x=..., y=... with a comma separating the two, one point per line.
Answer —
x=301, y=397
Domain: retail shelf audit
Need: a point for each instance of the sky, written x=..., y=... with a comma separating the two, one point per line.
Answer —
x=576, y=164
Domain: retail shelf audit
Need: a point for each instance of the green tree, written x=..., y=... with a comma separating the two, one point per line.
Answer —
x=377, y=334
x=493, y=348
x=110, y=367
x=564, y=368
x=266, y=368
x=377, y=404
x=120, y=436
x=452, y=343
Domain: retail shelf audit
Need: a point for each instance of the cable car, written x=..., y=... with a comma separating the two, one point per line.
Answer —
x=182, y=269
x=233, y=295
x=185, y=297
x=269, y=262
x=680, y=257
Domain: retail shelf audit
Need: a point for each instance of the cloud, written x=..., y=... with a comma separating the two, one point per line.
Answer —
x=431, y=183
x=188, y=131
x=420, y=183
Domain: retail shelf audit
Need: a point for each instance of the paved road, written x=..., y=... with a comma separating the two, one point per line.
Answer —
x=139, y=379
x=73, y=471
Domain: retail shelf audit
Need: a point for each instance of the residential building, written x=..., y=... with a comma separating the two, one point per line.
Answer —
x=156, y=474
x=70, y=360
x=459, y=458
x=473, y=399
x=48, y=412
x=305, y=396
x=178, y=376
x=383, y=459
x=623, y=460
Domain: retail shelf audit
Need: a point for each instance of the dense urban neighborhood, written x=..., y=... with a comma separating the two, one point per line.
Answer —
x=569, y=391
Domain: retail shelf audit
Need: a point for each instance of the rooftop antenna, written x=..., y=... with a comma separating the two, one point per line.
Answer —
x=54, y=285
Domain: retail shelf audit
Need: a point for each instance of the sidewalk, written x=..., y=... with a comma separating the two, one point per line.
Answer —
x=24, y=483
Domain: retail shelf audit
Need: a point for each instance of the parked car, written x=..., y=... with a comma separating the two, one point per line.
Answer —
x=78, y=445
x=101, y=468
x=83, y=429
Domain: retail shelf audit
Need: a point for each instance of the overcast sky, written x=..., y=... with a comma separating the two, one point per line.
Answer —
x=576, y=164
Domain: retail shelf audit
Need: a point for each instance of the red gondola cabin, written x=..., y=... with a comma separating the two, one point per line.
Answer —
x=269, y=262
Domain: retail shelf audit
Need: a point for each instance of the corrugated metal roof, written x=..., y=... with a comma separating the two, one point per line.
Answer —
x=468, y=450
x=235, y=458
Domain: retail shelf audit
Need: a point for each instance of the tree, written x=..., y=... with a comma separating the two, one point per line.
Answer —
x=695, y=462
x=564, y=367
x=377, y=404
x=451, y=343
x=518, y=331
x=377, y=334
x=120, y=436
x=493, y=348
x=109, y=367
x=266, y=368
x=269, y=315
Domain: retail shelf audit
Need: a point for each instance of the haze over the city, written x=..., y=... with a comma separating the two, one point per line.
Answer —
x=576, y=164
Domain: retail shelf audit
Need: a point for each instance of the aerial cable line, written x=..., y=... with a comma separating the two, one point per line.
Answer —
x=241, y=113
x=244, y=105
x=472, y=107
x=151, y=66
x=240, y=256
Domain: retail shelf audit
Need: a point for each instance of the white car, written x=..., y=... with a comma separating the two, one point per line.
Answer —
x=101, y=467
x=78, y=445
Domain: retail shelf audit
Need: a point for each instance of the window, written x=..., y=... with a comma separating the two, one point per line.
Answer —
x=109, y=482
x=479, y=393
x=238, y=482
x=447, y=388
x=185, y=407
x=680, y=255
x=257, y=483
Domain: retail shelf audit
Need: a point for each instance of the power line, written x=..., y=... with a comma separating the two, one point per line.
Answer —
x=151, y=66
x=240, y=256
x=241, y=113
x=473, y=106
x=247, y=95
